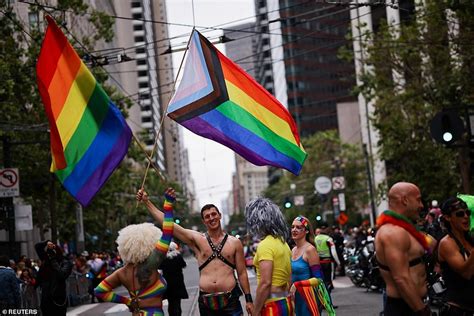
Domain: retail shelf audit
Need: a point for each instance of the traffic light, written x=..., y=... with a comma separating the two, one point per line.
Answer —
x=318, y=217
x=288, y=203
x=177, y=220
x=447, y=127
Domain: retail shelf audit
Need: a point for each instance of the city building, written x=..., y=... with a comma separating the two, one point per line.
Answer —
x=150, y=77
x=368, y=19
x=296, y=52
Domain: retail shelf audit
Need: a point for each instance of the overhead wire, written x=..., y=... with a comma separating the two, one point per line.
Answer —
x=315, y=49
x=169, y=83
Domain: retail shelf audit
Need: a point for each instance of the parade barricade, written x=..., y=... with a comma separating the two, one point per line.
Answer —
x=29, y=295
x=77, y=286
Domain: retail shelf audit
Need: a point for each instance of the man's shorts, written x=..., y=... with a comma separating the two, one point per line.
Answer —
x=397, y=307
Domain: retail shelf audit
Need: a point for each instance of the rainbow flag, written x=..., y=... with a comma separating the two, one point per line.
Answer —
x=218, y=100
x=89, y=136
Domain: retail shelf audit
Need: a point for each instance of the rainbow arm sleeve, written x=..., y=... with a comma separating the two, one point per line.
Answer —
x=164, y=242
x=306, y=283
x=316, y=271
x=105, y=292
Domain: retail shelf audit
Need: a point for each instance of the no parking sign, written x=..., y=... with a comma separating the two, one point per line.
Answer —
x=9, y=182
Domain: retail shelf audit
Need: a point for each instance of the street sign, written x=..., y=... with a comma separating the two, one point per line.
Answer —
x=9, y=182
x=299, y=200
x=338, y=183
x=342, y=201
x=323, y=185
x=343, y=218
x=23, y=217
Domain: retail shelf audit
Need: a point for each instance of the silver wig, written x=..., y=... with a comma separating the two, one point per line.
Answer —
x=265, y=218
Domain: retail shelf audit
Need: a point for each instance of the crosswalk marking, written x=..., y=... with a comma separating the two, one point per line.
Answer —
x=81, y=309
x=342, y=282
x=115, y=310
x=250, y=273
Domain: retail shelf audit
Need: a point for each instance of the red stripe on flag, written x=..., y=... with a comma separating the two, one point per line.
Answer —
x=248, y=85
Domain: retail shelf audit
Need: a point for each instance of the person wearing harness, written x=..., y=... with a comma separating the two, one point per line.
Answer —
x=143, y=248
x=218, y=256
x=399, y=247
x=456, y=258
x=272, y=259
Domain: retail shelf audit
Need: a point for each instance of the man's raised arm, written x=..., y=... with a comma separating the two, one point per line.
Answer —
x=185, y=235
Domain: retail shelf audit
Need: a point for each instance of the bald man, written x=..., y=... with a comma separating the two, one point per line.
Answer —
x=399, y=251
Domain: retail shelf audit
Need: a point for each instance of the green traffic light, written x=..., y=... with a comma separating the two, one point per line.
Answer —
x=177, y=221
x=318, y=218
x=287, y=204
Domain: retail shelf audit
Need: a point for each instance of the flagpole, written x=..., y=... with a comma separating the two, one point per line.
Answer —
x=164, y=112
x=148, y=157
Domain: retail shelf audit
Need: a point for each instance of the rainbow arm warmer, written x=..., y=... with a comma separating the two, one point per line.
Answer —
x=308, y=282
x=105, y=292
x=316, y=271
x=164, y=242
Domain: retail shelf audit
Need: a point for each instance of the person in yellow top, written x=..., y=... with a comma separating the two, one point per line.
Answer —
x=272, y=259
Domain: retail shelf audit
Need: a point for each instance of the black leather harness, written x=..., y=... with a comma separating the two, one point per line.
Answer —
x=216, y=252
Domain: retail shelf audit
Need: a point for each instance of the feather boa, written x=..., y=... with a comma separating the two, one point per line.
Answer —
x=391, y=217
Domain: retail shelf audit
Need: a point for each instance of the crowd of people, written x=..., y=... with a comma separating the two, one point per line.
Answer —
x=295, y=265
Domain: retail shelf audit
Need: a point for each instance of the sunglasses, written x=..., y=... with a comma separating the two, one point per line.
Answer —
x=462, y=213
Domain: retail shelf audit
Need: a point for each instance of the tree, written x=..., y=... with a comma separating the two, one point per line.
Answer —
x=436, y=65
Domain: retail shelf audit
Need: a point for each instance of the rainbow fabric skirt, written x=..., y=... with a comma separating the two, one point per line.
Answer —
x=282, y=306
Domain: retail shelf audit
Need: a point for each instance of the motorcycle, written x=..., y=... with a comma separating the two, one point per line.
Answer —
x=362, y=268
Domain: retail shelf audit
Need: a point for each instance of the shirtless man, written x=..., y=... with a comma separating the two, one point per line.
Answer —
x=216, y=266
x=399, y=251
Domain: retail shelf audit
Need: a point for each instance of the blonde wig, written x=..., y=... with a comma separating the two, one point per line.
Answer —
x=136, y=242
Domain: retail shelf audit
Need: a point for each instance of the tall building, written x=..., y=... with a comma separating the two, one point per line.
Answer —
x=368, y=19
x=250, y=180
x=150, y=77
x=308, y=76
x=296, y=52
x=141, y=40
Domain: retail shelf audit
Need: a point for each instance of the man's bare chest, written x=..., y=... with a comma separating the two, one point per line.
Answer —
x=227, y=251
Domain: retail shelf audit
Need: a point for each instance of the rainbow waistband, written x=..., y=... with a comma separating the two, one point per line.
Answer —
x=151, y=311
x=216, y=301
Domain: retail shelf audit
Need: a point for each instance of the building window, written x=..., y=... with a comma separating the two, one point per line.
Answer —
x=140, y=50
x=143, y=85
x=146, y=119
x=136, y=4
x=137, y=16
x=138, y=27
x=139, y=39
x=142, y=73
x=141, y=62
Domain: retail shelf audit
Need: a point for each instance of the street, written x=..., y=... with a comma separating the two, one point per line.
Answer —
x=349, y=299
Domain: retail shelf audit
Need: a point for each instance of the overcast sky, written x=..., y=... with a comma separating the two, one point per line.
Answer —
x=211, y=163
